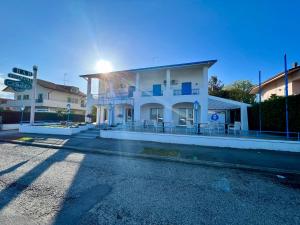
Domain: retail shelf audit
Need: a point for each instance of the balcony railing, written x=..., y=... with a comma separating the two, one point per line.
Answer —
x=150, y=93
x=194, y=91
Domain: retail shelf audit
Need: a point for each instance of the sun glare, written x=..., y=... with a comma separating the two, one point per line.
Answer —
x=103, y=66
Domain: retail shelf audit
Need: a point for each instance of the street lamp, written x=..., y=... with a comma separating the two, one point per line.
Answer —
x=196, y=108
x=22, y=110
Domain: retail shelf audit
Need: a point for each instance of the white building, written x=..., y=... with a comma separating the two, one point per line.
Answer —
x=50, y=98
x=162, y=93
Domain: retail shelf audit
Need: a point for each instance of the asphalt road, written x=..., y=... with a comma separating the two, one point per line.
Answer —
x=48, y=186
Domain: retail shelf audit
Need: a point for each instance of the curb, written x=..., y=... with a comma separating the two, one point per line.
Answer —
x=157, y=158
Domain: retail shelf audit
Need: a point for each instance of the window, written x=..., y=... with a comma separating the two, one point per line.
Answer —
x=156, y=114
x=25, y=97
x=72, y=100
x=186, y=115
x=19, y=97
x=40, y=98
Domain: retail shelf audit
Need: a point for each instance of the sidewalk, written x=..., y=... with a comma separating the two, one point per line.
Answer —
x=226, y=157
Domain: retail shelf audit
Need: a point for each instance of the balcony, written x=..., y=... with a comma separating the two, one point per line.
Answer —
x=150, y=93
x=194, y=91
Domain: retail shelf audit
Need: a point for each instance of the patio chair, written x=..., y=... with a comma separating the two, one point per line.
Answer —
x=235, y=128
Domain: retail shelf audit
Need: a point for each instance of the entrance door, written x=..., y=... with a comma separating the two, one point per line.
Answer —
x=105, y=116
x=156, y=90
x=128, y=117
x=186, y=88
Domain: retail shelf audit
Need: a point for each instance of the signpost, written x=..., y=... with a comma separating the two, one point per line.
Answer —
x=24, y=80
x=68, y=111
x=32, y=109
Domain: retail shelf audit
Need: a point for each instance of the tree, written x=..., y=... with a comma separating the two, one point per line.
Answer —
x=215, y=86
x=240, y=91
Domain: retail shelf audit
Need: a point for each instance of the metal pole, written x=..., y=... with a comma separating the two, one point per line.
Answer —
x=22, y=117
x=32, y=110
x=286, y=97
x=259, y=80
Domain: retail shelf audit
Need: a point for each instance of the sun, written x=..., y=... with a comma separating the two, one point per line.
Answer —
x=103, y=66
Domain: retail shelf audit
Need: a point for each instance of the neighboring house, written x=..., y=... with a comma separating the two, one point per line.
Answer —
x=4, y=100
x=162, y=93
x=276, y=84
x=50, y=97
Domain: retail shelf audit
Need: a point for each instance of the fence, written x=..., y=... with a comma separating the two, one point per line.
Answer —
x=12, y=117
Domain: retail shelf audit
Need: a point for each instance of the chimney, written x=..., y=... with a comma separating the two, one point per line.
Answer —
x=295, y=64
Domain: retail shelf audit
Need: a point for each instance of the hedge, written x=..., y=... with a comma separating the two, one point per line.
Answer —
x=273, y=114
x=10, y=117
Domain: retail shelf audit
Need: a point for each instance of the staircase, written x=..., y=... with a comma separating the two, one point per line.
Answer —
x=88, y=134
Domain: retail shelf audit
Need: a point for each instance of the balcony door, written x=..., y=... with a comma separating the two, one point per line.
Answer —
x=156, y=90
x=156, y=114
x=186, y=88
x=131, y=89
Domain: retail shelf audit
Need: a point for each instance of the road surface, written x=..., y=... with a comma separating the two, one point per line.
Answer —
x=49, y=186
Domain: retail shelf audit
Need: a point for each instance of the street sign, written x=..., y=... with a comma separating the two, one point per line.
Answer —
x=20, y=78
x=22, y=72
x=17, y=86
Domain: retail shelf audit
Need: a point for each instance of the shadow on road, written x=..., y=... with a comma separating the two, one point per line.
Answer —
x=13, y=168
x=81, y=194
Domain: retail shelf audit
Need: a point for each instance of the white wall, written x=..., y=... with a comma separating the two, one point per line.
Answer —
x=231, y=142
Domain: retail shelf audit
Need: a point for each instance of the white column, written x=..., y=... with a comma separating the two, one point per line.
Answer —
x=244, y=118
x=89, y=102
x=99, y=87
x=137, y=112
x=168, y=79
x=98, y=118
x=137, y=82
x=167, y=92
x=89, y=86
x=204, y=96
x=167, y=113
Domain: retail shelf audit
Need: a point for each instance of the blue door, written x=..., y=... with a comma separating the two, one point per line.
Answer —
x=156, y=90
x=131, y=89
x=186, y=88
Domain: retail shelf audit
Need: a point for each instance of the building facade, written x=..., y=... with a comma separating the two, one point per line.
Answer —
x=175, y=94
x=50, y=98
x=276, y=84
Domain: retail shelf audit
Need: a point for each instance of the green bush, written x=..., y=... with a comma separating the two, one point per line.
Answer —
x=273, y=114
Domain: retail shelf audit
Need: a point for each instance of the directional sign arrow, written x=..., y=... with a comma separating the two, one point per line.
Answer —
x=17, y=85
x=21, y=78
x=22, y=72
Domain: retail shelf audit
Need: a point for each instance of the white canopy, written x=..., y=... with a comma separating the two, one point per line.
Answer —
x=222, y=103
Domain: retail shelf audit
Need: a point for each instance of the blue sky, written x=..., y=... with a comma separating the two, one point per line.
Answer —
x=71, y=36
